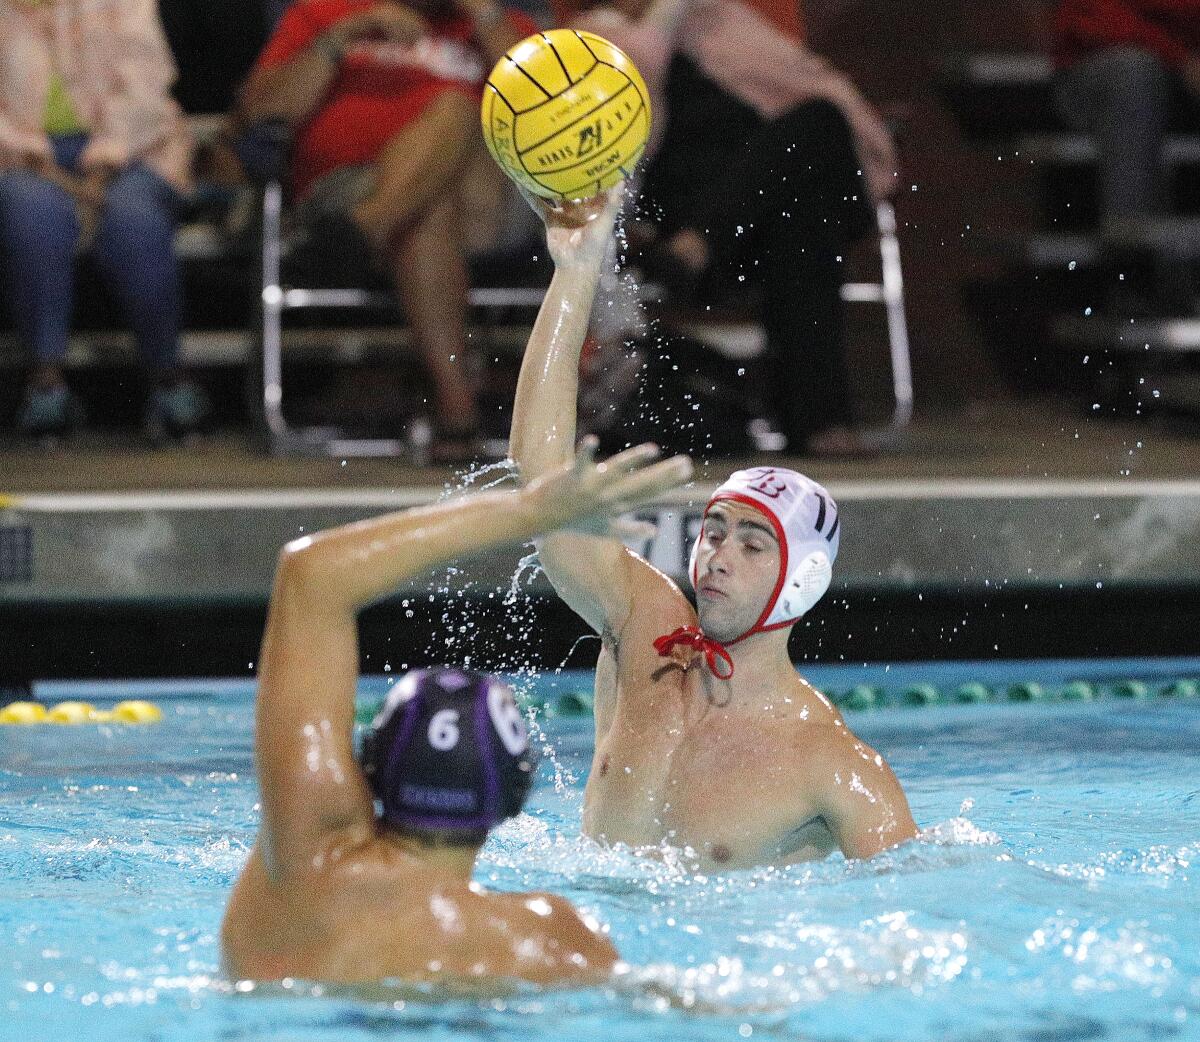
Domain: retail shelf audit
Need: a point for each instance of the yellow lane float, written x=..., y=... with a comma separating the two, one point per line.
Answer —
x=23, y=713
x=133, y=711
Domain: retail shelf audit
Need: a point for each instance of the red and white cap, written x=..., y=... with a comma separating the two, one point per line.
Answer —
x=807, y=525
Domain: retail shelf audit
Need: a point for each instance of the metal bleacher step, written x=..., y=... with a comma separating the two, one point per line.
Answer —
x=227, y=348
x=996, y=95
x=1067, y=149
x=1163, y=335
x=1083, y=250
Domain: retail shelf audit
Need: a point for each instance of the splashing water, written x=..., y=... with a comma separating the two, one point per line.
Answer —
x=1052, y=893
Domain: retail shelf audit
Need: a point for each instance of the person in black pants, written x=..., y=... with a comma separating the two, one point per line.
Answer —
x=741, y=200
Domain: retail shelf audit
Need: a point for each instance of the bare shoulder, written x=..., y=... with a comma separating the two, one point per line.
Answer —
x=855, y=791
x=555, y=934
x=830, y=746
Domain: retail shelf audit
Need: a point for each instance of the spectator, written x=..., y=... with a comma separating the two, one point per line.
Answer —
x=384, y=98
x=765, y=159
x=1123, y=67
x=94, y=157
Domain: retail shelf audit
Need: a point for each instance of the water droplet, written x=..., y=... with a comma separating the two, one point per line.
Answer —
x=1087, y=311
x=1071, y=266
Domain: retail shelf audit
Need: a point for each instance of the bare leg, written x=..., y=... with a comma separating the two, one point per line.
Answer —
x=417, y=166
x=431, y=278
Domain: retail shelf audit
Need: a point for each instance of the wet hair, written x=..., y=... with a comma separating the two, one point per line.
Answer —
x=448, y=756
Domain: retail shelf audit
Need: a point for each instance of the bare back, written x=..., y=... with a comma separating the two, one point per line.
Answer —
x=377, y=912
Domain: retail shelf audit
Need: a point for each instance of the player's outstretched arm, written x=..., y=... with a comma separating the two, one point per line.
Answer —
x=862, y=802
x=594, y=573
x=314, y=797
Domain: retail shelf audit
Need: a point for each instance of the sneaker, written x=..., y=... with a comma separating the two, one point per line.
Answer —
x=48, y=412
x=175, y=411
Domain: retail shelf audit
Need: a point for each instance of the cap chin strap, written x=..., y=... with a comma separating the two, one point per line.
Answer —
x=693, y=637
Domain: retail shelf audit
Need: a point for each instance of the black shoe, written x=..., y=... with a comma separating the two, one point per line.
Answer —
x=50, y=412
x=177, y=410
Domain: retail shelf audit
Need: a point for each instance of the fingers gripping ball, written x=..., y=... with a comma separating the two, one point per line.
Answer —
x=566, y=114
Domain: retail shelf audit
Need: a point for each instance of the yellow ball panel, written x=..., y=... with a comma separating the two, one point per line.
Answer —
x=572, y=52
x=599, y=86
x=602, y=170
x=515, y=87
x=603, y=131
x=498, y=130
x=563, y=139
x=542, y=64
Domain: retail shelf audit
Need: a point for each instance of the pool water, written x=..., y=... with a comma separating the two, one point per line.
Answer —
x=1054, y=894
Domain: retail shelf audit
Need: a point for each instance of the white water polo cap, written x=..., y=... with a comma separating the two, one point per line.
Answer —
x=807, y=525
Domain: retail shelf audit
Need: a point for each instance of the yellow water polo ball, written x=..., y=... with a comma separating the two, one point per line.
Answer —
x=566, y=114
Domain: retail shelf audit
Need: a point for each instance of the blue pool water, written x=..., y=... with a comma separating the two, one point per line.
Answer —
x=1054, y=895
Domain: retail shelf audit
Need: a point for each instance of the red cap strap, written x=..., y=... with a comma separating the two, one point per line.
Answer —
x=693, y=637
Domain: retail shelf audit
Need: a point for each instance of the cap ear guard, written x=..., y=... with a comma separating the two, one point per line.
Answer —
x=806, y=585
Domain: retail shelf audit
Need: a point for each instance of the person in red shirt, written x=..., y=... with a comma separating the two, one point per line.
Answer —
x=1124, y=67
x=383, y=98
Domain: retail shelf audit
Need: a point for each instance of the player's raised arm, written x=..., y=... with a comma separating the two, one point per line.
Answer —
x=315, y=798
x=595, y=574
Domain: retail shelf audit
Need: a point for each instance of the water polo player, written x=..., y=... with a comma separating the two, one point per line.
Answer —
x=706, y=737
x=335, y=890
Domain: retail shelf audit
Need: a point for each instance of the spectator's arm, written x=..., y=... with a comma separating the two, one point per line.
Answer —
x=139, y=113
x=293, y=76
x=495, y=28
x=650, y=41
x=20, y=147
x=1099, y=24
x=303, y=59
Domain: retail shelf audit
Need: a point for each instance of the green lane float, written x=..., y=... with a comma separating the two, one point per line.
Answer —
x=920, y=695
x=1028, y=691
x=972, y=692
x=860, y=698
x=1078, y=691
x=574, y=703
x=132, y=711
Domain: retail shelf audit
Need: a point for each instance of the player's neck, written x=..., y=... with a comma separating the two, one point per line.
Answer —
x=762, y=673
x=456, y=861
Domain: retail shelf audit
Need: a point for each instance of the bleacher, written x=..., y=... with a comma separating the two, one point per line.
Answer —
x=330, y=353
x=1055, y=300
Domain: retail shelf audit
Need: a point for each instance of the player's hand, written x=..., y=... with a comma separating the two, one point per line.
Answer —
x=584, y=496
x=386, y=21
x=578, y=234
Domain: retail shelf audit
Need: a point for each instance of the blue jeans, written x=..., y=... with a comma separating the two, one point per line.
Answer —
x=134, y=248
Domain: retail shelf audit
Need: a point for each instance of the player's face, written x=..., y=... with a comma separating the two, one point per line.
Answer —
x=737, y=567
